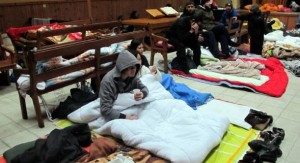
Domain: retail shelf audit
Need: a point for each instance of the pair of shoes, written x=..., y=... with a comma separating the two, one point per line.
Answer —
x=265, y=151
x=258, y=120
x=250, y=157
x=274, y=137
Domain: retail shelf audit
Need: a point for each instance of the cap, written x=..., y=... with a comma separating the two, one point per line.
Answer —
x=228, y=4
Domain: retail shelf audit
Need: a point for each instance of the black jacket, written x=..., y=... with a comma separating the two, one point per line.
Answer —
x=256, y=23
x=180, y=30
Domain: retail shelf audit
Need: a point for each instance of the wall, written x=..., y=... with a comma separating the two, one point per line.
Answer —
x=15, y=14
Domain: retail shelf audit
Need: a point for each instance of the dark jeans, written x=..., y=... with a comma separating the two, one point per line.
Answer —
x=222, y=36
x=211, y=42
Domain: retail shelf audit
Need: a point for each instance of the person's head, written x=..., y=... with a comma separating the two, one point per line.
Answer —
x=228, y=7
x=189, y=7
x=196, y=18
x=137, y=45
x=205, y=3
x=127, y=65
x=129, y=72
x=137, y=56
x=254, y=8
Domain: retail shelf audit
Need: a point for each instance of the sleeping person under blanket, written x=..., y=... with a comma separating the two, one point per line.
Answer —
x=56, y=62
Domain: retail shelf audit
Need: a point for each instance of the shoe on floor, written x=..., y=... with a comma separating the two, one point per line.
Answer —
x=258, y=121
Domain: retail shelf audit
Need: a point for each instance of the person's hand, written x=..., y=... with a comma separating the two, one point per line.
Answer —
x=194, y=28
x=153, y=69
x=85, y=57
x=131, y=117
x=138, y=96
x=200, y=38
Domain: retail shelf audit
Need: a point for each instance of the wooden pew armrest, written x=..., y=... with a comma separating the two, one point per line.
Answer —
x=159, y=41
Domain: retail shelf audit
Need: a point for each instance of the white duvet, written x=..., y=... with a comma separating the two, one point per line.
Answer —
x=166, y=127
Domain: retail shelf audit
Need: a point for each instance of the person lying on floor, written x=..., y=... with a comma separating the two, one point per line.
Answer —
x=121, y=79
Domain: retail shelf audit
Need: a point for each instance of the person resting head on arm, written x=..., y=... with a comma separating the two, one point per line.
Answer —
x=145, y=70
x=121, y=79
x=136, y=45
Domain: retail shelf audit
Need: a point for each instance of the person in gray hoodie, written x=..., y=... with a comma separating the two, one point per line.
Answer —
x=121, y=79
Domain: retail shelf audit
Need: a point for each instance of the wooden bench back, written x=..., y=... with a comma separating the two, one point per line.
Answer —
x=157, y=36
x=76, y=48
x=77, y=22
x=42, y=35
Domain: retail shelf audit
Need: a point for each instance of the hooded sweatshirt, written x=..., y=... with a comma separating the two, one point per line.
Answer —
x=112, y=85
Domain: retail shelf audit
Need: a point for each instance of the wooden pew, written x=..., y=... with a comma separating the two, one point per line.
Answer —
x=158, y=42
x=65, y=50
x=24, y=45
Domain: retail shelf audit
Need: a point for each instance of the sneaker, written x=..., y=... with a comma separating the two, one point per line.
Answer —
x=232, y=50
x=189, y=52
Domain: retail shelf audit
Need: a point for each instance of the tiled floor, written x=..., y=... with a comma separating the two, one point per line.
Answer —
x=14, y=130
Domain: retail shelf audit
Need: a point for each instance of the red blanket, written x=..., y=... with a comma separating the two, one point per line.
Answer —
x=275, y=86
x=15, y=32
x=2, y=159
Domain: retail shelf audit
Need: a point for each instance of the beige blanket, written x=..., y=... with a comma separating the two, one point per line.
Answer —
x=237, y=68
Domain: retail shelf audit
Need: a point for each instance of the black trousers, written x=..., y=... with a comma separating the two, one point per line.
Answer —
x=256, y=44
x=211, y=42
x=222, y=36
x=180, y=47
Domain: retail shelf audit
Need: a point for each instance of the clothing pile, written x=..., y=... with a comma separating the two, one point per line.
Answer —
x=61, y=145
x=77, y=99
